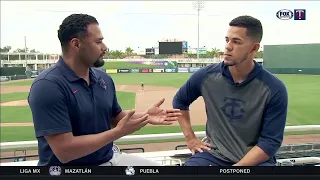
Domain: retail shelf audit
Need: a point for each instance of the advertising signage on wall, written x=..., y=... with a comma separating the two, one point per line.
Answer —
x=158, y=70
x=193, y=69
x=154, y=63
x=149, y=70
x=146, y=70
x=123, y=70
x=111, y=71
x=135, y=70
x=185, y=70
x=170, y=70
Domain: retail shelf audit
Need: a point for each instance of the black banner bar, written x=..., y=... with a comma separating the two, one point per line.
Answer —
x=162, y=170
x=162, y=177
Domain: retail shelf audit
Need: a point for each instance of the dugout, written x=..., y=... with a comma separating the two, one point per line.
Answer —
x=292, y=58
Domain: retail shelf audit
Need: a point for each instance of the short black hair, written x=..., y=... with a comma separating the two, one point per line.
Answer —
x=253, y=26
x=74, y=26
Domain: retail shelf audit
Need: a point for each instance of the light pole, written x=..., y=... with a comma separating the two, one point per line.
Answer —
x=25, y=51
x=198, y=5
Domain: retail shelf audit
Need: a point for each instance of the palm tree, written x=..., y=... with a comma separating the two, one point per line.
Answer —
x=129, y=51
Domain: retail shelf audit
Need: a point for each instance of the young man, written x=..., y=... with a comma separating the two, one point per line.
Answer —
x=142, y=86
x=246, y=106
x=73, y=104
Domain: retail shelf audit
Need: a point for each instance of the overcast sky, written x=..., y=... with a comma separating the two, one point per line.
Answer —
x=142, y=23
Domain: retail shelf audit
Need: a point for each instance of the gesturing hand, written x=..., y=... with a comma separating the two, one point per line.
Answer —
x=159, y=116
x=128, y=125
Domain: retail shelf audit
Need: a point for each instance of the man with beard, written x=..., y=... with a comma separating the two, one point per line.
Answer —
x=246, y=105
x=74, y=105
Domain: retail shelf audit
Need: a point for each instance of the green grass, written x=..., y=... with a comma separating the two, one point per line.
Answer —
x=165, y=129
x=158, y=79
x=27, y=82
x=22, y=114
x=304, y=96
x=12, y=134
x=9, y=134
x=16, y=114
x=179, y=140
x=15, y=96
x=127, y=100
x=303, y=91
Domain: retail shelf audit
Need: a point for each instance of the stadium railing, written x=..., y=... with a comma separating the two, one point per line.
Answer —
x=171, y=157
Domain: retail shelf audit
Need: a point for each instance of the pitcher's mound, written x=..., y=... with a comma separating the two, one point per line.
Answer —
x=16, y=103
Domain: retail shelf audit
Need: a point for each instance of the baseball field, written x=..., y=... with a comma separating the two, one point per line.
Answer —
x=303, y=90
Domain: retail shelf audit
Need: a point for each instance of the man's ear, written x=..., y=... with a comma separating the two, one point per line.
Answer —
x=255, y=48
x=75, y=42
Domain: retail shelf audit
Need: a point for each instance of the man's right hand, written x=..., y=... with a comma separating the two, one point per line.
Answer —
x=195, y=144
x=128, y=125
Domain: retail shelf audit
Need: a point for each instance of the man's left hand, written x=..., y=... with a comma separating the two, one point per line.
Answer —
x=159, y=116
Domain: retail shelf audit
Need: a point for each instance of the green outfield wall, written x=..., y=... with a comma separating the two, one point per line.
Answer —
x=292, y=59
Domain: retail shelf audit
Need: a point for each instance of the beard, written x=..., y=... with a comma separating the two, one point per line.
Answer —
x=233, y=62
x=99, y=63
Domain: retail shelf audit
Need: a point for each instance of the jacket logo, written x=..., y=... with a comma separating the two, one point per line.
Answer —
x=233, y=108
x=102, y=84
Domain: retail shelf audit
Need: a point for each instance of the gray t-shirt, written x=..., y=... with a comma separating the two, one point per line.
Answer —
x=239, y=116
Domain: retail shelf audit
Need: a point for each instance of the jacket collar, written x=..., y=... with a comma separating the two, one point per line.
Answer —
x=226, y=73
x=71, y=75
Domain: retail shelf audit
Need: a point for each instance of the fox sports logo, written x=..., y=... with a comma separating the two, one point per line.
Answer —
x=284, y=14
